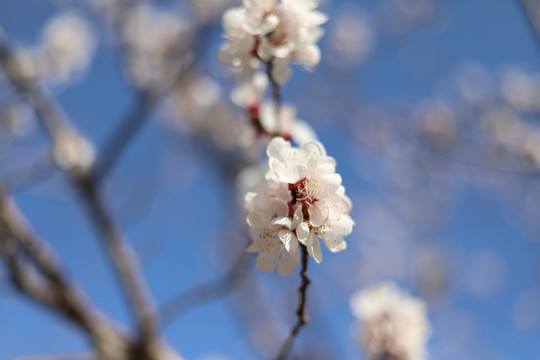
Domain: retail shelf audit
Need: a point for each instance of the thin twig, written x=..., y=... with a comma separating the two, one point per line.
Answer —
x=301, y=311
x=48, y=284
x=276, y=95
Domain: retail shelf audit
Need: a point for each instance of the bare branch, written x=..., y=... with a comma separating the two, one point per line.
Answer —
x=276, y=93
x=120, y=252
x=48, y=284
x=301, y=311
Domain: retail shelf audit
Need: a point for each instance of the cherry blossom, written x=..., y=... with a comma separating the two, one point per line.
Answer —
x=301, y=201
x=394, y=324
x=272, y=31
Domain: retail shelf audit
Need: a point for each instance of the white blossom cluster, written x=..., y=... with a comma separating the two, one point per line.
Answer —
x=394, y=324
x=273, y=31
x=67, y=47
x=301, y=201
x=155, y=39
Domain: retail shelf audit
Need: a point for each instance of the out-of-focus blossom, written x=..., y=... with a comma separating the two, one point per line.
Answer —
x=521, y=89
x=352, y=35
x=209, y=10
x=399, y=16
x=68, y=45
x=394, y=325
x=196, y=106
x=250, y=96
x=67, y=48
x=437, y=121
x=475, y=84
x=16, y=118
x=71, y=151
x=268, y=30
x=302, y=200
x=156, y=41
x=513, y=133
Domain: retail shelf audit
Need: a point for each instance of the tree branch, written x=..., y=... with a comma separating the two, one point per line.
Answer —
x=120, y=252
x=48, y=284
x=301, y=310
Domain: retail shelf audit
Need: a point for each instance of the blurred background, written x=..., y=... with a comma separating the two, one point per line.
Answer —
x=431, y=109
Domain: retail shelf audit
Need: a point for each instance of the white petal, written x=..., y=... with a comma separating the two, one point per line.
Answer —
x=289, y=240
x=340, y=247
x=281, y=72
x=302, y=232
x=314, y=247
x=318, y=213
x=282, y=221
x=258, y=219
x=268, y=259
x=309, y=56
x=288, y=262
x=253, y=247
x=330, y=183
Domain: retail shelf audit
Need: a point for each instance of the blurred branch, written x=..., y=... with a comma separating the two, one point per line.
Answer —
x=276, y=93
x=47, y=284
x=301, y=311
x=56, y=357
x=30, y=175
x=531, y=8
x=120, y=252
x=199, y=294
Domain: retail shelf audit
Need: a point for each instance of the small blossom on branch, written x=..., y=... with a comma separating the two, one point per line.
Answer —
x=301, y=201
x=394, y=324
x=280, y=32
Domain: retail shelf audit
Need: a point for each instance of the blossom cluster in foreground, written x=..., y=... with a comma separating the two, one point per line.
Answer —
x=270, y=30
x=394, y=324
x=301, y=201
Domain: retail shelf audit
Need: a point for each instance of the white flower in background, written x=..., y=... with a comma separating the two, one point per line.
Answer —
x=394, y=325
x=301, y=200
x=250, y=96
x=71, y=151
x=68, y=45
x=155, y=39
x=269, y=30
x=287, y=125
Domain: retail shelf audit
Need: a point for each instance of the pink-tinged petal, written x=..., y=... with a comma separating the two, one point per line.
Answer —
x=340, y=247
x=288, y=262
x=302, y=232
x=268, y=258
x=314, y=247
